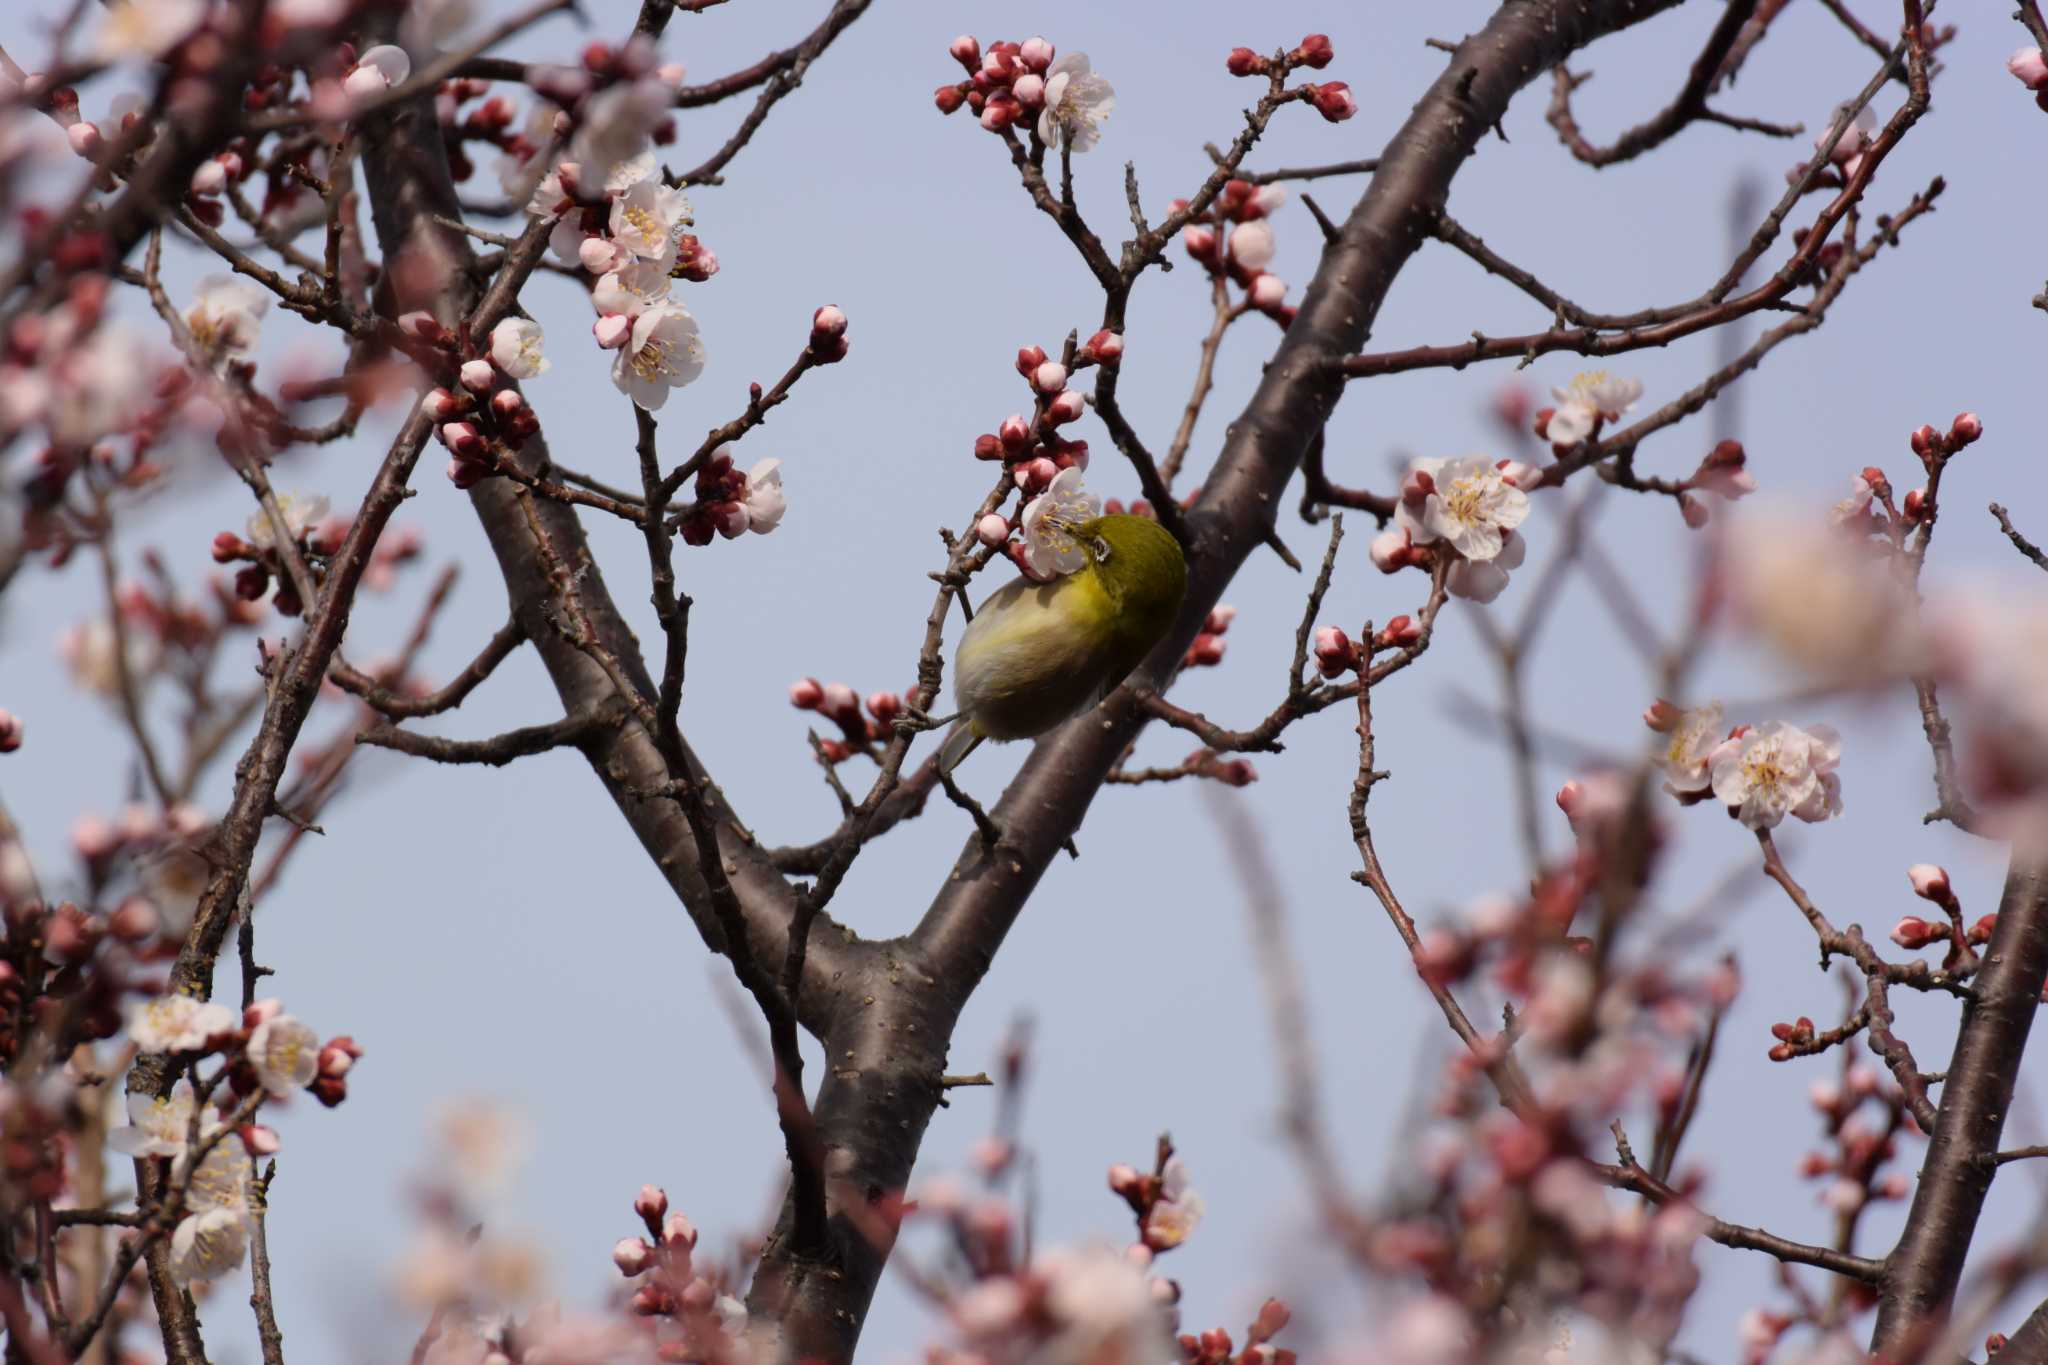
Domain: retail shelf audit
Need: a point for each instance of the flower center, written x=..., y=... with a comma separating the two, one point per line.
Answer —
x=651, y=360
x=1464, y=500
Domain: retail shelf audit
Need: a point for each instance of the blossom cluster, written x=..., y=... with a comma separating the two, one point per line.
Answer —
x=731, y=502
x=1466, y=510
x=1332, y=99
x=841, y=705
x=1062, y=102
x=1761, y=773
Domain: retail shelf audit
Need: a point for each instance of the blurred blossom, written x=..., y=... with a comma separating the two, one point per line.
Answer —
x=285, y=1054
x=1178, y=1210
x=484, y=1143
x=91, y=651
x=1591, y=398
x=1101, y=1309
x=300, y=514
x=176, y=1023
x=1693, y=734
x=1076, y=102
x=157, y=1125
x=1828, y=608
x=227, y=314
x=146, y=28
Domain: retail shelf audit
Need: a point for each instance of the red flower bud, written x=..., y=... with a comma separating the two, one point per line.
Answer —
x=1314, y=51
x=1242, y=61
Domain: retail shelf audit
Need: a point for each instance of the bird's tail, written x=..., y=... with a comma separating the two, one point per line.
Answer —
x=961, y=742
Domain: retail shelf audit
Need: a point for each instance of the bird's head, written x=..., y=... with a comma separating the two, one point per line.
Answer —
x=1137, y=559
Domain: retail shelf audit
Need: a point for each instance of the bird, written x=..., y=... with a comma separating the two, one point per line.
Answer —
x=1038, y=653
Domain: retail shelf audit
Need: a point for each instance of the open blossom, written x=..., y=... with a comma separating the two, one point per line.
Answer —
x=1482, y=580
x=300, y=515
x=93, y=653
x=1467, y=503
x=1076, y=102
x=146, y=28
x=157, y=1125
x=1689, y=747
x=285, y=1053
x=1589, y=399
x=615, y=124
x=1096, y=1307
x=1179, y=1209
x=1049, y=520
x=631, y=289
x=663, y=353
x=765, y=503
x=516, y=347
x=647, y=217
x=208, y=1245
x=379, y=69
x=226, y=314
x=1775, y=770
x=176, y=1023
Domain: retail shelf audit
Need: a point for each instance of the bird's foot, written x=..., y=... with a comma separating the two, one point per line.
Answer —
x=911, y=721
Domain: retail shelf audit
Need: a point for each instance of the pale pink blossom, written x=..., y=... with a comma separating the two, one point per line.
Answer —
x=516, y=347
x=376, y=71
x=646, y=218
x=1076, y=102
x=157, y=1125
x=300, y=515
x=177, y=1023
x=764, y=501
x=227, y=313
x=1591, y=397
x=1049, y=522
x=1689, y=744
x=1775, y=770
x=1268, y=291
x=146, y=28
x=663, y=353
x=1467, y=503
x=285, y=1054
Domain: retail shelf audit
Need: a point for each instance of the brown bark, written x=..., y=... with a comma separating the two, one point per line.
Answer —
x=1922, y=1271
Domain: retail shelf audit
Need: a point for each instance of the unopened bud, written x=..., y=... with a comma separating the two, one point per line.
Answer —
x=423, y=326
x=1923, y=440
x=1051, y=377
x=1105, y=347
x=1930, y=882
x=948, y=98
x=1333, y=100
x=966, y=50
x=1334, y=652
x=678, y=1231
x=1242, y=61
x=462, y=439
x=1014, y=433
x=1391, y=551
x=477, y=376
x=1913, y=932
x=1067, y=407
x=1695, y=512
x=992, y=530
x=652, y=1201
x=1965, y=429
x=632, y=1256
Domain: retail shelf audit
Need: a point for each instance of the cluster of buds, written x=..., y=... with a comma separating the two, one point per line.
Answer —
x=2031, y=70
x=1870, y=509
x=1030, y=447
x=1005, y=85
x=703, y=1320
x=478, y=418
x=1931, y=883
x=1332, y=99
x=1206, y=650
x=731, y=501
x=1214, y=1347
x=839, y=704
x=311, y=535
x=1337, y=653
x=1854, y=1169
x=1234, y=241
x=71, y=967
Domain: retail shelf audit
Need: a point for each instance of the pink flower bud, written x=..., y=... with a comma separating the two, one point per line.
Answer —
x=1273, y=1316
x=1915, y=505
x=1124, y=1180
x=1015, y=434
x=1314, y=51
x=1661, y=716
x=1051, y=377
x=1398, y=633
x=731, y=518
x=1268, y=291
x=1205, y=652
x=1334, y=652
x=1980, y=932
x=612, y=331
x=839, y=703
x=1914, y=932
x=805, y=695
x=1333, y=100
x=1965, y=429
x=2028, y=66
x=632, y=1256
x=262, y=1011
x=1029, y=358
x=1391, y=551
x=948, y=98
x=966, y=50
x=1029, y=90
x=1067, y=407
x=464, y=474
x=211, y=177
x=1695, y=512
x=1036, y=54
x=505, y=402
x=828, y=323
x=1242, y=61
x=422, y=325
x=1106, y=347
x=463, y=439
x=85, y=140
x=599, y=255
x=1219, y=620
x=1033, y=475
x=134, y=920
x=258, y=1139
x=440, y=404
x=1923, y=441
x=10, y=732
x=1520, y=473
x=992, y=530
x=1200, y=240
x=652, y=1201
x=1251, y=245
x=1001, y=110
x=884, y=706
x=477, y=376
x=1929, y=882
x=678, y=1231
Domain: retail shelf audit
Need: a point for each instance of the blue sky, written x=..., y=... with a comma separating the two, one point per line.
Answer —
x=499, y=934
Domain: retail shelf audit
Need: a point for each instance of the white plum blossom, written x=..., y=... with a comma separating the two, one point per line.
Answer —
x=226, y=314
x=1178, y=1210
x=158, y=1125
x=1100, y=1309
x=1688, y=748
x=632, y=289
x=1468, y=504
x=146, y=28
x=1855, y=139
x=91, y=389
x=208, y=1245
x=1853, y=510
x=647, y=217
x=1049, y=520
x=1590, y=398
x=663, y=353
x=615, y=124
x=300, y=515
x=1776, y=770
x=1251, y=244
x=1483, y=580
x=765, y=503
x=376, y=71
x=1076, y=102
x=285, y=1054
x=516, y=347
x=176, y=1023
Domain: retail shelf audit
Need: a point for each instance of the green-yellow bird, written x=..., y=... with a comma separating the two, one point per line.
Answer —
x=1038, y=653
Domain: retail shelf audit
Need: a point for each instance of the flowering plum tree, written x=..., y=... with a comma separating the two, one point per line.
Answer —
x=313, y=153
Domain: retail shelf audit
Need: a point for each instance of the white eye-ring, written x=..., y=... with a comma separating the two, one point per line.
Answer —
x=1101, y=549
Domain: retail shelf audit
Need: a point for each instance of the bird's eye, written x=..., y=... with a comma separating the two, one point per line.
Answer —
x=1101, y=549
